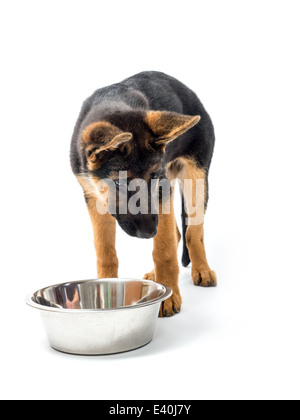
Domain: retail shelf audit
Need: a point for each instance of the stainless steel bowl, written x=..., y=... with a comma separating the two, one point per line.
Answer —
x=96, y=317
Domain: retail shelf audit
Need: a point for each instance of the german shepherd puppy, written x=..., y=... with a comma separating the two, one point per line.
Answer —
x=150, y=126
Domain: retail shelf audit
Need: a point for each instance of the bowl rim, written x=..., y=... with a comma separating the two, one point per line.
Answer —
x=167, y=293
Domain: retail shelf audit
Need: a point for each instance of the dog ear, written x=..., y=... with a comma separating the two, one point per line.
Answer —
x=101, y=137
x=167, y=126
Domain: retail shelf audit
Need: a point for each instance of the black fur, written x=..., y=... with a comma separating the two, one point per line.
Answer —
x=185, y=253
x=121, y=105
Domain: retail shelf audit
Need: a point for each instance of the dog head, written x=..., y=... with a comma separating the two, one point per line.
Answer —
x=122, y=156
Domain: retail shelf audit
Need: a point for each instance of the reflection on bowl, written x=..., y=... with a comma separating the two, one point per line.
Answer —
x=100, y=316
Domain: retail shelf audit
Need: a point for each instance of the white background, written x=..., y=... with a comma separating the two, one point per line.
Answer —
x=238, y=341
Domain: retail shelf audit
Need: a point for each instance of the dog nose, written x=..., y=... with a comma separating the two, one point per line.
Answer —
x=146, y=226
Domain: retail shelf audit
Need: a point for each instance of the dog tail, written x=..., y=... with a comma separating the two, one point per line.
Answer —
x=185, y=255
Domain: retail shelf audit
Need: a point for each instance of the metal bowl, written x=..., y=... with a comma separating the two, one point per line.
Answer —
x=97, y=317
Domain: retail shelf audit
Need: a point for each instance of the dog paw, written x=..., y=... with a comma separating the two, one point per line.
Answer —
x=204, y=278
x=171, y=306
x=150, y=276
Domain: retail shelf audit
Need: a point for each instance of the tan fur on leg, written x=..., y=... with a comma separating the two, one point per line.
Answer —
x=202, y=275
x=104, y=227
x=187, y=169
x=151, y=275
x=165, y=261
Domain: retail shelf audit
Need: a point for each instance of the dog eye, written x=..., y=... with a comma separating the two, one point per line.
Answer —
x=155, y=176
x=119, y=183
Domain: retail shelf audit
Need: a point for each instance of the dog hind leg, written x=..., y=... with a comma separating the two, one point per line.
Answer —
x=190, y=174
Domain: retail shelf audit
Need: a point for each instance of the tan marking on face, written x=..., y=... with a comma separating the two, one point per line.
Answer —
x=116, y=175
x=126, y=148
x=152, y=170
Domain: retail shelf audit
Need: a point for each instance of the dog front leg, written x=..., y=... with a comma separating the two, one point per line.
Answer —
x=166, y=261
x=104, y=227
